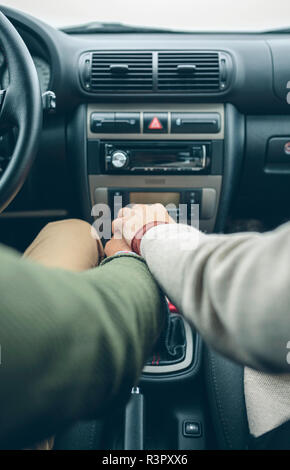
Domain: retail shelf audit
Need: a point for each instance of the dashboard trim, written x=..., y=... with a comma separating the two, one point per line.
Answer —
x=155, y=108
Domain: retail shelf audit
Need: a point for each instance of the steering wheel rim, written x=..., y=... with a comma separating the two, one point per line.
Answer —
x=20, y=107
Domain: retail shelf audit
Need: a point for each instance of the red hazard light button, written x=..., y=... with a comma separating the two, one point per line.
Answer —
x=155, y=123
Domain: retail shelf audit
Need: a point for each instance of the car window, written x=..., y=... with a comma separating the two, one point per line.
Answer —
x=208, y=15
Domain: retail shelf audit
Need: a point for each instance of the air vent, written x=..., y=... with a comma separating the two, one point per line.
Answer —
x=121, y=73
x=190, y=72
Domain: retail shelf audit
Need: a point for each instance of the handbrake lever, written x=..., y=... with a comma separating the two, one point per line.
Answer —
x=134, y=421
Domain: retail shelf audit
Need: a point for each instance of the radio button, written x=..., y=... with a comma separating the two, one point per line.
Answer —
x=193, y=197
x=119, y=159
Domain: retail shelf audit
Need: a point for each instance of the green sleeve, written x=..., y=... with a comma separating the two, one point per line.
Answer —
x=72, y=344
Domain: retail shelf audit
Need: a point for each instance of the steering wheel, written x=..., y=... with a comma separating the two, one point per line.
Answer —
x=20, y=108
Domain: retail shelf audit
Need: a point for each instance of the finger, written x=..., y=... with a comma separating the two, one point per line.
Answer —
x=118, y=224
x=125, y=212
x=118, y=235
x=144, y=211
x=113, y=246
x=108, y=248
x=140, y=207
x=127, y=227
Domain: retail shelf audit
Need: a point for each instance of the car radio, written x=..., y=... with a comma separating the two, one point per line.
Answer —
x=156, y=157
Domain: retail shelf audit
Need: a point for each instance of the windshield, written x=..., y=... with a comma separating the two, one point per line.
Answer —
x=190, y=15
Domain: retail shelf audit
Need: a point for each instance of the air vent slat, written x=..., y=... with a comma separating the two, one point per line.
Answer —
x=137, y=78
x=119, y=87
x=100, y=76
x=204, y=76
x=199, y=85
x=197, y=74
x=104, y=71
x=190, y=79
x=202, y=69
x=182, y=58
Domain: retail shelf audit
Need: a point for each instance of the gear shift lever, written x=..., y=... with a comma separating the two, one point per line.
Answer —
x=171, y=346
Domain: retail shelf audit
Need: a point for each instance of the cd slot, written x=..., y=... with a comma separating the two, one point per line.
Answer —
x=156, y=157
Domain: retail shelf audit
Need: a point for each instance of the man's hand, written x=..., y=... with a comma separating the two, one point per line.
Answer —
x=114, y=245
x=130, y=221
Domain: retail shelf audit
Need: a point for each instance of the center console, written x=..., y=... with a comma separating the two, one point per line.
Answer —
x=172, y=154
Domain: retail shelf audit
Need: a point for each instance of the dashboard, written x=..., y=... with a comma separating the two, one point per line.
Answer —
x=211, y=96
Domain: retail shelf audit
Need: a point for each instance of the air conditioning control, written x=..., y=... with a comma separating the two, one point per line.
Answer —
x=119, y=159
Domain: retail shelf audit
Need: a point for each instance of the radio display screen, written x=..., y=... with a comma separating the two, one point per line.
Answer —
x=154, y=198
x=159, y=158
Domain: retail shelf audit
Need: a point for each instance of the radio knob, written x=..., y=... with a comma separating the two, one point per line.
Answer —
x=119, y=159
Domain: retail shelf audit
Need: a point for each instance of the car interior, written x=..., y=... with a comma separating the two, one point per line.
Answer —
x=146, y=115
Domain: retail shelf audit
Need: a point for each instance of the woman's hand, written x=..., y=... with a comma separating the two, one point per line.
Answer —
x=131, y=220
